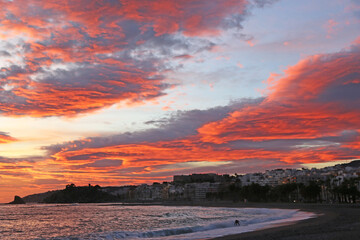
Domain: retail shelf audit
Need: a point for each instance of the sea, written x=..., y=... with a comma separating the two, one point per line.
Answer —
x=116, y=221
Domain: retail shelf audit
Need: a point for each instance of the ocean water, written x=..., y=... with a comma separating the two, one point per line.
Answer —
x=107, y=221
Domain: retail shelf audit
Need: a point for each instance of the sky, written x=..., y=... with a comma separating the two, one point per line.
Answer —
x=119, y=92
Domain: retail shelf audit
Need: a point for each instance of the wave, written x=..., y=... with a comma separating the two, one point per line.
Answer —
x=265, y=218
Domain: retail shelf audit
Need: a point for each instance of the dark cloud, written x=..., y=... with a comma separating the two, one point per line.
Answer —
x=15, y=174
x=104, y=163
x=263, y=3
x=177, y=125
x=48, y=181
x=30, y=159
x=97, y=155
x=344, y=94
x=4, y=54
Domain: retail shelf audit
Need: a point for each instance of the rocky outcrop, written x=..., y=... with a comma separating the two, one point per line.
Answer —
x=17, y=200
x=39, y=197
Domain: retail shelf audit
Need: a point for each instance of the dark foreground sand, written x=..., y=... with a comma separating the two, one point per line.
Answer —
x=334, y=222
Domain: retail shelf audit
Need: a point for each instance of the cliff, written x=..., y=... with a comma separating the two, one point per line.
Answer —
x=38, y=198
x=17, y=200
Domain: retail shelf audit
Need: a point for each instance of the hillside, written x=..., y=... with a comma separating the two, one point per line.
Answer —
x=353, y=164
x=38, y=198
x=74, y=194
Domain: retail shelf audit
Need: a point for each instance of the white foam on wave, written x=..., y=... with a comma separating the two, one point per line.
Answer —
x=269, y=218
x=268, y=223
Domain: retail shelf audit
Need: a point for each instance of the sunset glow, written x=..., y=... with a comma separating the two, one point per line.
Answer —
x=117, y=92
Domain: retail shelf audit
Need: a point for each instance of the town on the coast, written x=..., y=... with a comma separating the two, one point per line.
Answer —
x=335, y=184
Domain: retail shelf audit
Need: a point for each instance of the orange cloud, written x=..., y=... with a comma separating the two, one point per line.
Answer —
x=311, y=115
x=5, y=138
x=77, y=57
x=317, y=97
x=192, y=17
x=86, y=55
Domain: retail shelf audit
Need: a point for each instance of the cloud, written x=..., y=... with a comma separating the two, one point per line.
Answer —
x=315, y=98
x=77, y=57
x=101, y=164
x=48, y=181
x=310, y=114
x=263, y=3
x=4, y=54
x=64, y=59
x=5, y=138
x=331, y=27
x=19, y=169
x=177, y=125
x=28, y=159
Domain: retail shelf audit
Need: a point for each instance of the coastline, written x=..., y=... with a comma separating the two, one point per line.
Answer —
x=335, y=221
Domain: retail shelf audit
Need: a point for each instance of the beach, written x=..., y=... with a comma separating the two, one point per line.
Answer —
x=181, y=220
x=334, y=222
x=133, y=221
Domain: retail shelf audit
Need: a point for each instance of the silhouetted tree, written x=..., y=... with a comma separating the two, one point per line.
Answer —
x=255, y=192
x=73, y=194
x=311, y=192
x=283, y=193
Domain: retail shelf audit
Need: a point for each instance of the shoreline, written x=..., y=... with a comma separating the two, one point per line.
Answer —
x=333, y=222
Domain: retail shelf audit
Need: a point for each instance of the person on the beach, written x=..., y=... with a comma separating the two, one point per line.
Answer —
x=237, y=223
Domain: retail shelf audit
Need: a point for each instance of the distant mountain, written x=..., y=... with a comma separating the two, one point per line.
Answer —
x=74, y=194
x=38, y=198
x=353, y=164
x=17, y=200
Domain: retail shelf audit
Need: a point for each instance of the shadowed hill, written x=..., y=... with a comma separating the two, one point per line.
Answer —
x=39, y=197
x=17, y=200
x=354, y=164
x=73, y=194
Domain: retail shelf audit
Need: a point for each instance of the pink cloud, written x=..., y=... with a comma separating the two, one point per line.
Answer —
x=310, y=101
x=331, y=27
x=310, y=115
x=78, y=57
